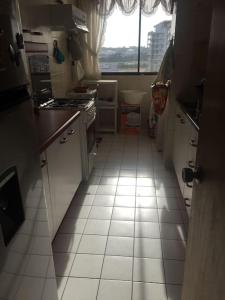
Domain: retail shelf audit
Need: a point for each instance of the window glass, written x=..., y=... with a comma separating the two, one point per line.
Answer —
x=119, y=52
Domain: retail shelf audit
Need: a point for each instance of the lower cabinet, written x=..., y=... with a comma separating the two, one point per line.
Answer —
x=184, y=153
x=63, y=159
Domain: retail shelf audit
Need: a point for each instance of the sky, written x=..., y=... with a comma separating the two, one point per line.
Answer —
x=122, y=30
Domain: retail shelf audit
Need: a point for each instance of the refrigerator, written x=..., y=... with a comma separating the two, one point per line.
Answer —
x=26, y=260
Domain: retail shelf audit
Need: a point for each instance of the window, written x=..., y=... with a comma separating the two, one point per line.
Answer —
x=135, y=43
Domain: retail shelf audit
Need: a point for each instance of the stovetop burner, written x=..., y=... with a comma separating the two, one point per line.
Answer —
x=68, y=103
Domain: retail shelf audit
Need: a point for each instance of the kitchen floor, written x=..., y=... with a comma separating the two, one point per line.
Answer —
x=124, y=234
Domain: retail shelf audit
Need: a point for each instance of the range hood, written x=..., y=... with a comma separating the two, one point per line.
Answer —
x=63, y=17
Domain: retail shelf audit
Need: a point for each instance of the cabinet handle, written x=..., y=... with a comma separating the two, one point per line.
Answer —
x=193, y=143
x=43, y=163
x=186, y=202
x=63, y=141
x=191, y=164
x=189, y=185
x=71, y=132
x=178, y=116
x=182, y=121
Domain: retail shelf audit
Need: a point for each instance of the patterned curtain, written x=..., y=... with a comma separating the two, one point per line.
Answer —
x=148, y=7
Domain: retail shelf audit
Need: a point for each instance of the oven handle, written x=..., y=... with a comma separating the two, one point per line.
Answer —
x=91, y=121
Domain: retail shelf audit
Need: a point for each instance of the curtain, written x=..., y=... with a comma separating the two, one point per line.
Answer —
x=105, y=7
x=92, y=41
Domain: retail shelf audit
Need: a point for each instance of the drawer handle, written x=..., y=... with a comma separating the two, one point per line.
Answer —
x=182, y=121
x=189, y=185
x=191, y=164
x=186, y=200
x=178, y=116
x=71, y=132
x=193, y=143
x=43, y=163
x=63, y=141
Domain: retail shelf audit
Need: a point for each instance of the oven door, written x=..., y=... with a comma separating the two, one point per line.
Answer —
x=91, y=136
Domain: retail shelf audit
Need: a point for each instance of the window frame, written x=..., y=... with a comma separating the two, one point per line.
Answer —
x=139, y=56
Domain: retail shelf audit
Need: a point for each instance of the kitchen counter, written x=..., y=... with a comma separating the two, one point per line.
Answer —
x=190, y=114
x=51, y=123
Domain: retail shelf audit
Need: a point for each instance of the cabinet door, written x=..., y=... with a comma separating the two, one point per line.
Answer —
x=179, y=147
x=75, y=148
x=46, y=186
x=64, y=165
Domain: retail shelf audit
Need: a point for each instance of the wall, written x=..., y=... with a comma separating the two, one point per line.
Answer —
x=136, y=82
x=61, y=74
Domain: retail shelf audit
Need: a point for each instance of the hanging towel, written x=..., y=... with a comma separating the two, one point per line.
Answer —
x=58, y=55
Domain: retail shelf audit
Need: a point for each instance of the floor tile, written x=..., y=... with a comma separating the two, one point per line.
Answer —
x=94, y=180
x=169, y=216
x=149, y=291
x=114, y=289
x=72, y=226
x=174, y=292
x=141, y=172
x=109, y=180
x=93, y=244
x=111, y=172
x=86, y=265
x=146, y=202
x=97, y=172
x=173, y=249
x=66, y=242
x=101, y=213
x=167, y=202
x=76, y=289
x=128, y=173
x=145, y=247
x=78, y=212
x=123, y=213
x=148, y=270
x=98, y=227
x=127, y=181
x=146, y=215
x=144, y=181
x=126, y=201
x=103, y=200
x=63, y=263
x=121, y=228
x=61, y=284
x=147, y=229
x=117, y=267
x=126, y=190
x=173, y=231
x=82, y=199
x=106, y=190
x=143, y=191
x=174, y=271
x=166, y=192
x=121, y=246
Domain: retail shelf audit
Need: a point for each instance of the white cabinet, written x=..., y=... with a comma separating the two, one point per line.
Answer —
x=64, y=172
x=184, y=152
x=48, y=200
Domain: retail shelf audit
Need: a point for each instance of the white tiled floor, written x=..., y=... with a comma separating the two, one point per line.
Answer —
x=124, y=235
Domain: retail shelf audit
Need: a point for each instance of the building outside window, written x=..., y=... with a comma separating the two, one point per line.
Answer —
x=135, y=43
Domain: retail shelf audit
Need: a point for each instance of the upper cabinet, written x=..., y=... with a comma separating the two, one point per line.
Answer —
x=193, y=21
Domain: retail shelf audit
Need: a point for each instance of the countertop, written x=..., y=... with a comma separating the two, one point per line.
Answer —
x=51, y=123
x=190, y=114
